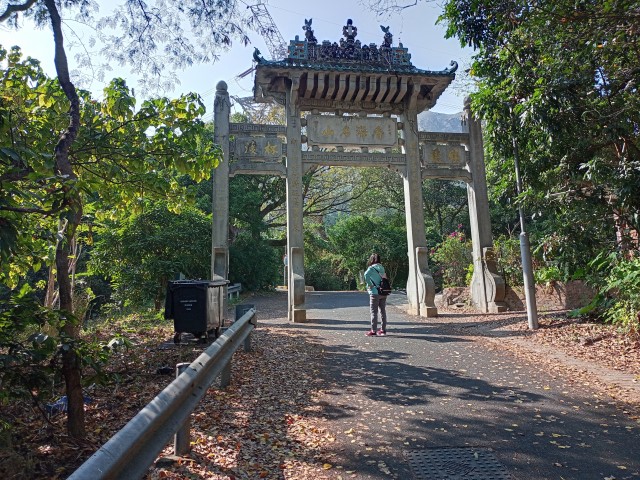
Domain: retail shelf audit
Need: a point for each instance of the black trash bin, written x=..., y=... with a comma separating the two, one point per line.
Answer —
x=196, y=307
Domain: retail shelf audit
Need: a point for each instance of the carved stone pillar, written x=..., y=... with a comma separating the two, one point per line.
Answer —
x=220, y=237
x=420, y=284
x=295, y=235
x=487, y=286
x=220, y=233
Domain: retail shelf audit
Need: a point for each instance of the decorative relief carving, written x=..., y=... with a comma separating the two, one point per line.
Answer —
x=258, y=149
x=348, y=49
x=324, y=130
x=449, y=156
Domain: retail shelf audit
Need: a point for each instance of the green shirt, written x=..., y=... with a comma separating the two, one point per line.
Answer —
x=373, y=274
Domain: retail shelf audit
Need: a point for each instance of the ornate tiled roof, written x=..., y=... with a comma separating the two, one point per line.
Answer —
x=349, y=54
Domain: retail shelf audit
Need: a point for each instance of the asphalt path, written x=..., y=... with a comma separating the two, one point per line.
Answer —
x=428, y=392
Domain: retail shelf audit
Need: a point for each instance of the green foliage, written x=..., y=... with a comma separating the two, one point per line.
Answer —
x=26, y=348
x=445, y=207
x=147, y=250
x=547, y=274
x=123, y=156
x=354, y=238
x=254, y=263
x=451, y=260
x=322, y=266
x=507, y=251
x=619, y=292
x=30, y=363
x=617, y=279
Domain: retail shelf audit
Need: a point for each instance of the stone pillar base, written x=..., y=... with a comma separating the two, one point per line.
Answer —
x=428, y=312
x=497, y=307
x=299, y=316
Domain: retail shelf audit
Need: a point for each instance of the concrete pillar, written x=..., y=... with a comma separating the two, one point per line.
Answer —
x=420, y=285
x=220, y=234
x=487, y=286
x=295, y=234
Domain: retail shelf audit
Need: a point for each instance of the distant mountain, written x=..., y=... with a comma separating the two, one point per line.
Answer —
x=441, y=122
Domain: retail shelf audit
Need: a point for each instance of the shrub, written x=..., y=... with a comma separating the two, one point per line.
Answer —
x=254, y=263
x=623, y=285
x=452, y=258
x=618, y=299
x=509, y=260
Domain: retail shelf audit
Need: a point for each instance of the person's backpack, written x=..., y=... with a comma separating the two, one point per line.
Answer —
x=384, y=288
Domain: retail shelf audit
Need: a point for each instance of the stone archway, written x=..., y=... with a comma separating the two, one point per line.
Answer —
x=362, y=102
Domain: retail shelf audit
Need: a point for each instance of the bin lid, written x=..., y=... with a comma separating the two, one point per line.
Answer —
x=198, y=283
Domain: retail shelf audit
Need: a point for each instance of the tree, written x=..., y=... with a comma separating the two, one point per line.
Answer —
x=51, y=187
x=146, y=29
x=355, y=237
x=148, y=249
x=559, y=84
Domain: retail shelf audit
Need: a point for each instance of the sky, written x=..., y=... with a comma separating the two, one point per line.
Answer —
x=414, y=27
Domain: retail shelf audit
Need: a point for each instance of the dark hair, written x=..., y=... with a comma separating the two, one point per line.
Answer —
x=373, y=259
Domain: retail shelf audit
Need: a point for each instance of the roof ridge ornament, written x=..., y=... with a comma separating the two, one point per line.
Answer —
x=349, y=31
x=308, y=31
x=387, y=41
x=349, y=54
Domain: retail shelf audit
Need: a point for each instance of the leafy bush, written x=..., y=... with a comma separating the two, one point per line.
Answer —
x=547, y=274
x=354, y=238
x=452, y=258
x=623, y=285
x=321, y=266
x=31, y=343
x=150, y=249
x=509, y=260
x=618, y=281
x=254, y=263
x=322, y=276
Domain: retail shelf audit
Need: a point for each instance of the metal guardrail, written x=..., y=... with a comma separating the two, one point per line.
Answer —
x=130, y=452
x=234, y=289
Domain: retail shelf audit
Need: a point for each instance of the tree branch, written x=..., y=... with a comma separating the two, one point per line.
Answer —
x=11, y=9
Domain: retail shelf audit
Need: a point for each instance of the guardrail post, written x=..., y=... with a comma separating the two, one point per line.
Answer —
x=182, y=440
x=225, y=375
x=247, y=343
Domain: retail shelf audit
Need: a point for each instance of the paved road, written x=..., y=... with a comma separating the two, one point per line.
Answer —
x=427, y=388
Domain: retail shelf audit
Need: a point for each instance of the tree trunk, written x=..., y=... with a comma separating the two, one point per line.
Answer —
x=73, y=213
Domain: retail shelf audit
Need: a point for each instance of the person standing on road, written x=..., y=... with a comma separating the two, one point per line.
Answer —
x=372, y=278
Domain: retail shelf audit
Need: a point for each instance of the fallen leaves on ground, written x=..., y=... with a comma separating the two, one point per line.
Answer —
x=264, y=425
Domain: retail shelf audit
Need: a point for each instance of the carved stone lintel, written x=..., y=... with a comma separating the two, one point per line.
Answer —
x=258, y=168
x=444, y=137
x=447, y=174
x=257, y=128
x=356, y=159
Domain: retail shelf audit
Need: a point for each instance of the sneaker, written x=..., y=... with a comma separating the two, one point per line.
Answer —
x=370, y=333
x=382, y=333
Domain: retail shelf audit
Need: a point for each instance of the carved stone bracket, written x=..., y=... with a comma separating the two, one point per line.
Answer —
x=297, y=284
x=426, y=285
x=488, y=287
